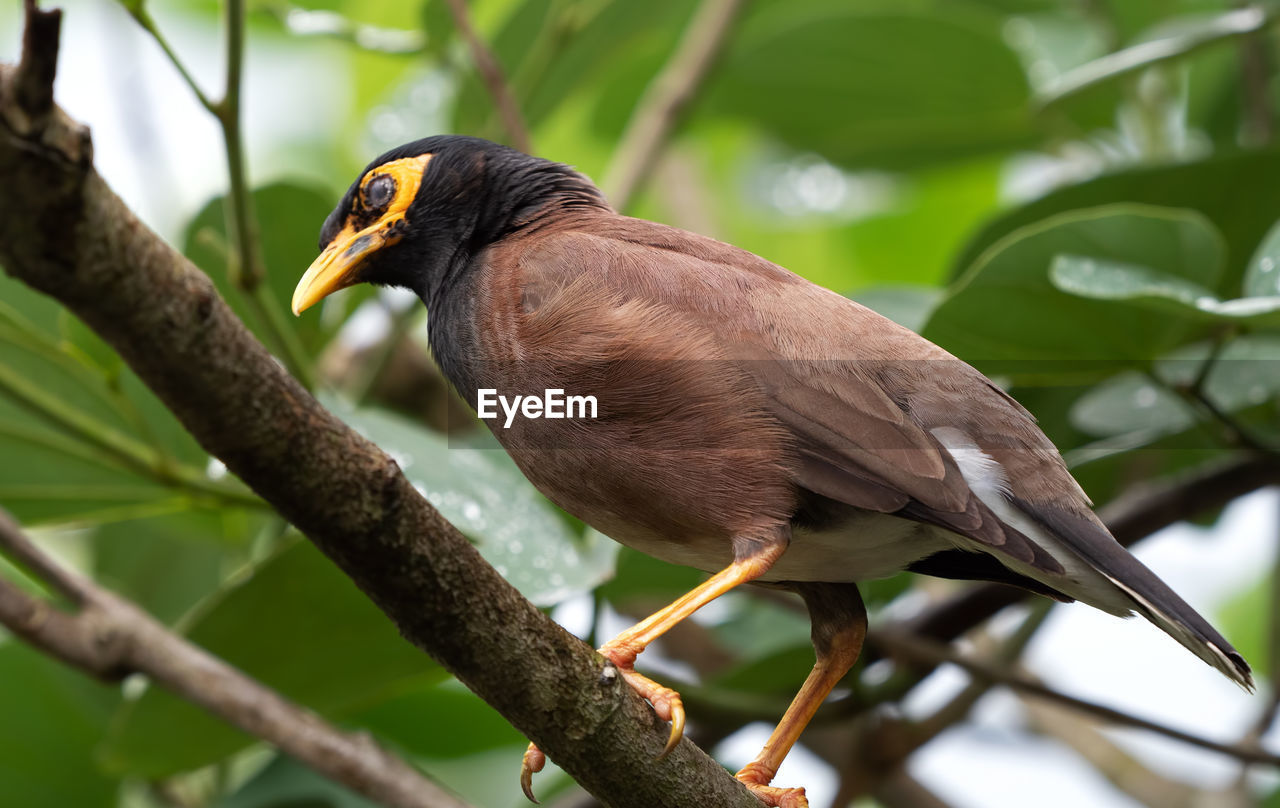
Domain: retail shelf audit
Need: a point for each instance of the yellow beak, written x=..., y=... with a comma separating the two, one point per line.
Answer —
x=335, y=268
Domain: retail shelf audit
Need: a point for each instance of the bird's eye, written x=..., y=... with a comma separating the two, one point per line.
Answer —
x=379, y=192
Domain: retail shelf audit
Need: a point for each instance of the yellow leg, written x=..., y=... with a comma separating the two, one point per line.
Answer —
x=623, y=649
x=839, y=628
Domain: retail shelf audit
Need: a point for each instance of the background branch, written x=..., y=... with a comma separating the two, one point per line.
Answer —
x=111, y=638
x=666, y=99
x=491, y=74
x=935, y=653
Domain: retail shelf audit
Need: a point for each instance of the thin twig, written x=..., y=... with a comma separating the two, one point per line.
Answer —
x=23, y=552
x=936, y=653
x=143, y=17
x=1235, y=432
x=1257, y=127
x=367, y=374
x=1126, y=772
x=111, y=637
x=901, y=790
x=242, y=229
x=244, y=267
x=247, y=271
x=1267, y=715
x=1006, y=655
x=861, y=775
x=666, y=99
x=491, y=74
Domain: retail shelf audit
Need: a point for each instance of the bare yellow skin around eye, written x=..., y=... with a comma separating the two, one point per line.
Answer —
x=335, y=267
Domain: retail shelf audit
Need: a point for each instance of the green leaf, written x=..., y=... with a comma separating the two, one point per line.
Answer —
x=1234, y=191
x=167, y=564
x=52, y=473
x=643, y=578
x=1151, y=289
x=755, y=628
x=890, y=86
x=1111, y=280
x=1262, y=276
x=443, y=720
x=285, y=783
x=1176, y=40
x=296, y=624
x=291, y=216
x=1006, y=307
x=1130, y=402
x=1243, y=375
x=483, y=493
x=53, y=718
x=908, y=306
x=779, y=672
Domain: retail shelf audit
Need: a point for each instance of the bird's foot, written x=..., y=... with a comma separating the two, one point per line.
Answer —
x=533, y=762
x=757, y=779
x=665, y=701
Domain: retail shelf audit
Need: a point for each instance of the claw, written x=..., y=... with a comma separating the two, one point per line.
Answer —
x=532, y=763
x=666, y=703
x=677, y=727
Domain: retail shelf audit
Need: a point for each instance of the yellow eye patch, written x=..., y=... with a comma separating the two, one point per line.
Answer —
x=406, y=176
x=368, y=229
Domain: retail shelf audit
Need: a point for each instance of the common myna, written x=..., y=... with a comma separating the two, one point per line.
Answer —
x=749, y=423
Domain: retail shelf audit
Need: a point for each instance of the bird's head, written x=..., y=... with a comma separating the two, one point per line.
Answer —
x=421, y=211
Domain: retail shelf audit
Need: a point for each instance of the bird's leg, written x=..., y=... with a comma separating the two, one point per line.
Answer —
x=839, y=628
x=753, y=559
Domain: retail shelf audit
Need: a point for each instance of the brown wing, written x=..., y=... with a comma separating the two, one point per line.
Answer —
x=877, y=415
x=825, y=368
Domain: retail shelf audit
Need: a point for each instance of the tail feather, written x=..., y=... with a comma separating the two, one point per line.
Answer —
x=1085, y=535
x=1206, y=644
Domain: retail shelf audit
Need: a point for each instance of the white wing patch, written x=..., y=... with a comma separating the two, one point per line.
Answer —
x=985, y=476
x=990, y=483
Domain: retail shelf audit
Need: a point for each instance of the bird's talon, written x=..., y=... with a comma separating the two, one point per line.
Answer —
x=677, y=725
x=532, y=763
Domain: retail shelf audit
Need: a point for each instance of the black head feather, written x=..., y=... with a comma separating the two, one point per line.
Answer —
x=473, y=194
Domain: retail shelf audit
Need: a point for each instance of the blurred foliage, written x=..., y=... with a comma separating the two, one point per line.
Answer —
x=1111, y=254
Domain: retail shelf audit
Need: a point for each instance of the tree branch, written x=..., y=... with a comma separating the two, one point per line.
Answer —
x=110, y=638
x=1126, y=772
x=491, y=74
x=666, y=98
x=65, y=233
x=935, y=653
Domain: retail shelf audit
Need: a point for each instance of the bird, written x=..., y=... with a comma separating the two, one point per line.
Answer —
x=747, y=423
